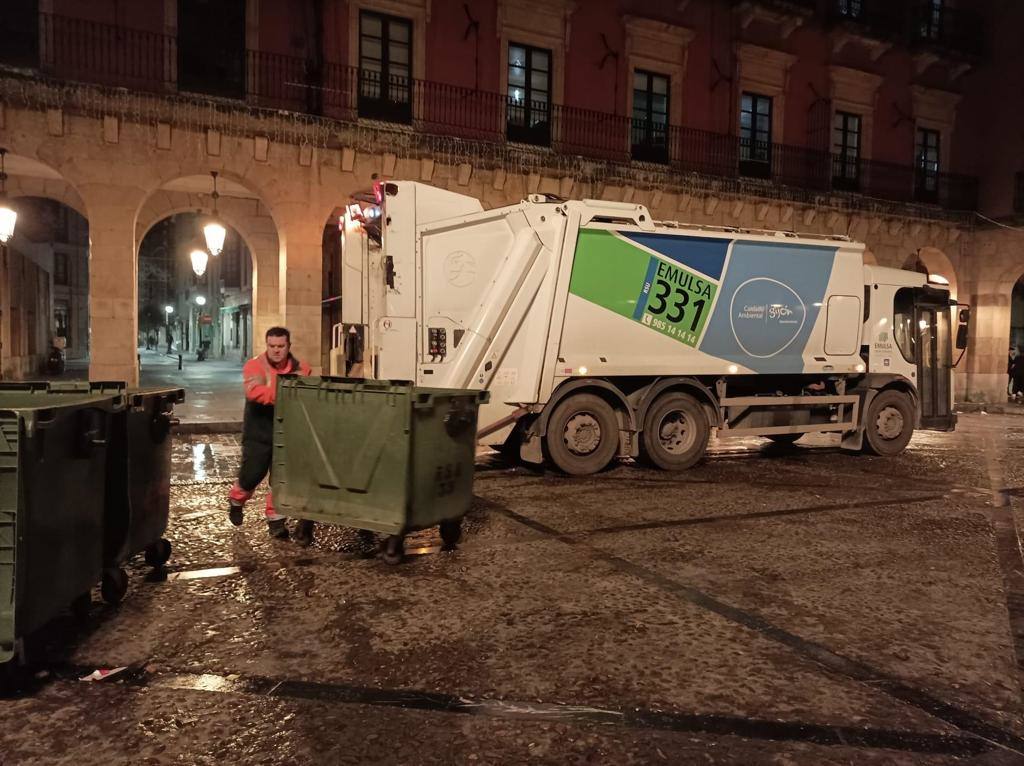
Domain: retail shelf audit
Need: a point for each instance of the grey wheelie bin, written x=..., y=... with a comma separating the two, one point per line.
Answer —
x=388, y=457
x=53, y=457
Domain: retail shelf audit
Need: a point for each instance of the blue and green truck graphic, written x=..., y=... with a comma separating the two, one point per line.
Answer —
x=753, y=302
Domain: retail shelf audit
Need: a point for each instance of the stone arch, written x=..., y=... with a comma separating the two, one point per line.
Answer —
x=932, y=260
x=32, y=288
x=30, y=177
x=242, y=215
x=249, y=215
x=58, y=190
x=194, y=178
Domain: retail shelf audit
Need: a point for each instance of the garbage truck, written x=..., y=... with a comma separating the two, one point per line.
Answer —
x=601, y=333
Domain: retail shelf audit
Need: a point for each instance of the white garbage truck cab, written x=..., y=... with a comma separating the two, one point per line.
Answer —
x=601, y=333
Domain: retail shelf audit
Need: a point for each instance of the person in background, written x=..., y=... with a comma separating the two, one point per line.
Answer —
x=1015, y=369
x=260, y=380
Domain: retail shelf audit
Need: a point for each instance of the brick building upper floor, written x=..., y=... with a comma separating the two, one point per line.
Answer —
x=899, y=100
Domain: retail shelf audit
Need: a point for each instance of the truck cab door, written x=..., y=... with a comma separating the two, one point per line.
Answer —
x=934, y=365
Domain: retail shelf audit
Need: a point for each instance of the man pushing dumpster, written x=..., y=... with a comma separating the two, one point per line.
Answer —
x=260, y=380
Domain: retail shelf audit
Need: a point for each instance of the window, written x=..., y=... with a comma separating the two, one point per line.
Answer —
x=846, y=151
x=850, y=9
x=756, y=135
x=903, y=329
x=385, y=67
x=60, y=268
x=931, y=21
x=529, y=94
x=211, y=47
x=19, y=29
x=927, y=164
x=650, y=116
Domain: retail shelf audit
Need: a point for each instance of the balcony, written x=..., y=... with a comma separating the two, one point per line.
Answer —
x=879, y=22
x=111, y=56
x=947, y=30
x=786, y=14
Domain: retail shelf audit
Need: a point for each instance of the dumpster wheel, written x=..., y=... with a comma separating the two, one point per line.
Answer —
x=114, y=585
x=451, y=532
x=393, y=549
x=158, y=553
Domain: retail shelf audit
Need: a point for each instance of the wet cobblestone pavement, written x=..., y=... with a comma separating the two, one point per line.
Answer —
x=771, y=606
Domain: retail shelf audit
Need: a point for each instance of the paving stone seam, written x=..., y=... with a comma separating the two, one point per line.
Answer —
x=830, y=660
x=630, y=717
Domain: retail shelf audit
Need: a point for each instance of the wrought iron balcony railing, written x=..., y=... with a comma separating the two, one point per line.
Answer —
x=883, y=19
x=955, y=30
x=85, y=51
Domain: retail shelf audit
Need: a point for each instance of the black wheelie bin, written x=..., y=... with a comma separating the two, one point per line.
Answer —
x=53, y=469
x=138, y=484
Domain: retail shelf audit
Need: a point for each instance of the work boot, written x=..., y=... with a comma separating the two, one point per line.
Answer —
x=235, y=512
x=303, y=534
x=277, y=529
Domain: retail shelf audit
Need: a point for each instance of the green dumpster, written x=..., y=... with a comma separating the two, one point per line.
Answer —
x=53, y=453
x=383, y=456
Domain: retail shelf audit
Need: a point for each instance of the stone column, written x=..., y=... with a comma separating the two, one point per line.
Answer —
x=113, y=283
x=989, y=334
x=301, y=278
x=266, y=292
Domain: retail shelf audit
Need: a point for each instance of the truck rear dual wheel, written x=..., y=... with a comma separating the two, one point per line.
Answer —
x=582, y=435
x=889, y=424
x=675, y=432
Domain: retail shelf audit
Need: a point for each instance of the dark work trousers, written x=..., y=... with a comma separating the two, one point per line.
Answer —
x=257, y=453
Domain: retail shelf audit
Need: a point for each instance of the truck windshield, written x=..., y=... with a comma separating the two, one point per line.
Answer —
x=903, y=330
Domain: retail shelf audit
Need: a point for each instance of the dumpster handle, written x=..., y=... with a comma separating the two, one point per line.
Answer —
x=45, y=418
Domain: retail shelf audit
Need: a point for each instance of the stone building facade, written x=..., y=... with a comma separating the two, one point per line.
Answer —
x=808, y=115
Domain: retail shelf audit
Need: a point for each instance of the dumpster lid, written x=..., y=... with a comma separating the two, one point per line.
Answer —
x=43, y=395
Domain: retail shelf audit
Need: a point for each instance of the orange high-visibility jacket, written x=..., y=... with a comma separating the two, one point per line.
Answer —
x=260, y=377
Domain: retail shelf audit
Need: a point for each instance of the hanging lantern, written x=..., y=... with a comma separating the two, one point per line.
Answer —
x=214, y=234
x=8, y=217
x=199, y=261
x=214, y=231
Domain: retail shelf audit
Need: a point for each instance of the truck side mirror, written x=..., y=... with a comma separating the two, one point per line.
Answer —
x=961, y=330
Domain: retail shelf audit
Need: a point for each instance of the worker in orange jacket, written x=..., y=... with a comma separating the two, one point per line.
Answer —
x=260, y=379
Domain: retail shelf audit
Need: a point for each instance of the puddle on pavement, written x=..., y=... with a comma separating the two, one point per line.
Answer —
x=199, y=574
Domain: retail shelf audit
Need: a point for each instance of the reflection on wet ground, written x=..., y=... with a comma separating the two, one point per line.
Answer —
x=797, y=605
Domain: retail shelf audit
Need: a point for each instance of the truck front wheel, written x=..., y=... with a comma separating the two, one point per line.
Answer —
x=582, y=435
x=675, y=432
x=889, y=424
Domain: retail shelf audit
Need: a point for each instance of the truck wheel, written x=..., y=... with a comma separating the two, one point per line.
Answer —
x=675, y=432
x=889, y=424
x=582, y=435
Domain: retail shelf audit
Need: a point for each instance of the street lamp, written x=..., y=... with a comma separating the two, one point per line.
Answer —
x=168, y=310
x=214, y=231
x=200, y=300
x=199, y=261
x=7, y=215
